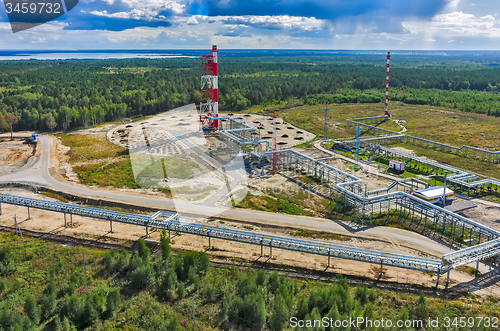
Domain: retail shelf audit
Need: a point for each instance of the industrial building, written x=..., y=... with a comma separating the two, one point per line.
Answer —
x=434, y=195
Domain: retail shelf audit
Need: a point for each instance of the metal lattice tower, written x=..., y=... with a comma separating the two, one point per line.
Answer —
x=209, y=97
x=387, y=86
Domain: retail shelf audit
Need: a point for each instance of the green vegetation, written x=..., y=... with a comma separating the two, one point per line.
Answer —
x=116, y=174
x=43, y=287
x=319, y=235
x=91, y=147
x=275, y=204
x=98, y=161
x=437, y=124
x=55, y=196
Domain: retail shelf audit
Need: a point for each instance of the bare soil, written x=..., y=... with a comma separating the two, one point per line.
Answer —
x=484, y=214
x=13, y=155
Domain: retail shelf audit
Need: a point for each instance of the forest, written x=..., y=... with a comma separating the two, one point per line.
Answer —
x=63, y=95
x=48, y=286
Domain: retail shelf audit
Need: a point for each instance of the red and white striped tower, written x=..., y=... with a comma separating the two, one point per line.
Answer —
x=209, y=97
x=274, y=166
x=387, y=86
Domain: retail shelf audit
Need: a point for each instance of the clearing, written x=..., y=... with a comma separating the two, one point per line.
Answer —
x=13, y=155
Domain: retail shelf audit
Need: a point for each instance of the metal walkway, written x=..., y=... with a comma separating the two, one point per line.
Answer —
x=368, y=206
x=169, y=221
x=103, y=214
x=391, y=136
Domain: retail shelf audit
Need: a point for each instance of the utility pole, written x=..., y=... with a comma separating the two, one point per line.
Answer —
x=18, y=229
x=326, y=123
x=357, y=147
x=387, y=86
x=194, y=317
x=84, y=270
x=444, y=188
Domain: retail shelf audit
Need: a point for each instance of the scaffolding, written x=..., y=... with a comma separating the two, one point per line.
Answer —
x=350, y=193
x=384, y=136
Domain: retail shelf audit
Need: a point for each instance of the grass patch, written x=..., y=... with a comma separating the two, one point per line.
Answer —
x=90, y=147
x=319, y=235
x=439, y=124
x=55, y=196
x=273, y=204
x=471, y=271
x=477, y=166
x=117, y=174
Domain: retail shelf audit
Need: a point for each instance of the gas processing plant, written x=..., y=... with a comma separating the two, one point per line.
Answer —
x=410, y=199
x=247, y=146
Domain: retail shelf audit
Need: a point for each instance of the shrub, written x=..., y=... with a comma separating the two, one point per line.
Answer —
x=181, y=290
x=109, y=261
x=123, y=259
x=141, y=277
x=279, y=314
x=48, y=304
x=3, y=285
x=165, y=247
x=112, y=301
x=143, y=250
x=248, y=312
x=31, y=309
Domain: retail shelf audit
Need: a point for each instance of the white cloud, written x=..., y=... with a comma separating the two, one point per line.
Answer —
x=281, y=22
x=457, y=24
x=144, y=9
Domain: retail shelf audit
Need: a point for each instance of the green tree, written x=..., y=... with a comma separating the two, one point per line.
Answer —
x=248, y=312
x=420, y=311
x=143, y=250
x=165, y=247
x=181, y=290
x=4, y=126
x=31, y=309
x=279, y=314
x=48, y=304
x=109, y=261
x=3, y=285
x=112, y=301
x=50, y=122
x=141, y=277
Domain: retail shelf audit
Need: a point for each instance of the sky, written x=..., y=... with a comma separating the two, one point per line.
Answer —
x=265, y=24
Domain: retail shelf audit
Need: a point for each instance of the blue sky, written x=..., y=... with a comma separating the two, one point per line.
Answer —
x=266, y=24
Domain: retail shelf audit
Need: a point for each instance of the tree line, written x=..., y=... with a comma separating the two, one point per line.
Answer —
x=83, y=93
